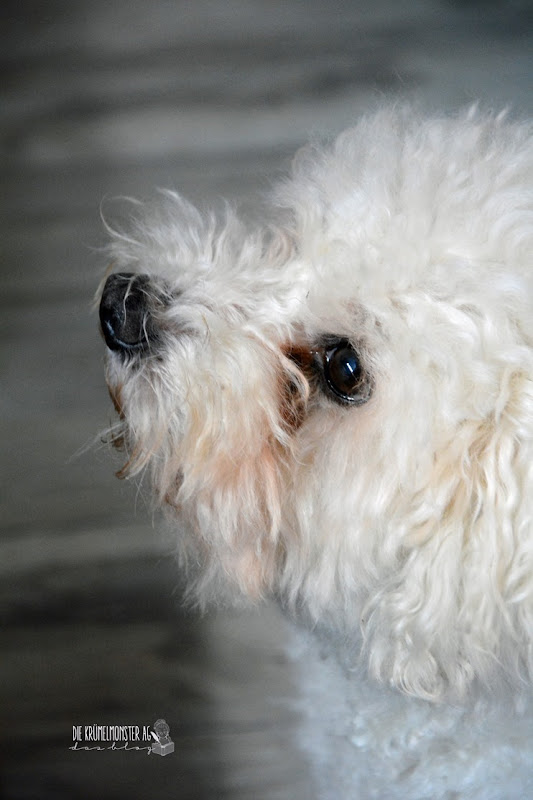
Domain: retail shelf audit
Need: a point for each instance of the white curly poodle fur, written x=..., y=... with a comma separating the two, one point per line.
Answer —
x=338, y=406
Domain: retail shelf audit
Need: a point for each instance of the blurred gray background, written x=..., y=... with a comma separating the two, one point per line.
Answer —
x=116, y=97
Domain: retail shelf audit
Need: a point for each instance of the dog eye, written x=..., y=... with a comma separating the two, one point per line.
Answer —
x=344, y=373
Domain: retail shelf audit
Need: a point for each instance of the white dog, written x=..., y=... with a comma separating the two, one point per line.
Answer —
x=339, y=409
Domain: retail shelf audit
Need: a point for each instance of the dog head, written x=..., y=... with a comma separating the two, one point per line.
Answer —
x=338, y=406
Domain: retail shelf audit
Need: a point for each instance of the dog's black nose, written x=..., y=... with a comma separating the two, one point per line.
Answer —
x=125, y=312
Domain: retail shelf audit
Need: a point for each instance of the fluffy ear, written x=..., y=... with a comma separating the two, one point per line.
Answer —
x=461, y=603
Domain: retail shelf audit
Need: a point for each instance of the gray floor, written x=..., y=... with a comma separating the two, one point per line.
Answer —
x=108, y=98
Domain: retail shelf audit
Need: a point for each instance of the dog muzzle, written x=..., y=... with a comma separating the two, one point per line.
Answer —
x=126, y=313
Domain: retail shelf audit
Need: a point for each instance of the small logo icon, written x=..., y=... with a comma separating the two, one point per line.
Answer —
x=163, y=744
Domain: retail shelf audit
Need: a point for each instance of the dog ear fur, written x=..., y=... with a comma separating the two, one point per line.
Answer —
x=463, y=595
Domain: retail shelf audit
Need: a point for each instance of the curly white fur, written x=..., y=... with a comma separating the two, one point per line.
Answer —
x=406, y=519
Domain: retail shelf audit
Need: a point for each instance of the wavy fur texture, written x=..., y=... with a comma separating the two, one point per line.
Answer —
x=403, y=522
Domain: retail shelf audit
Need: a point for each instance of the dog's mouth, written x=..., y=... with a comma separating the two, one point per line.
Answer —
x=126, y=309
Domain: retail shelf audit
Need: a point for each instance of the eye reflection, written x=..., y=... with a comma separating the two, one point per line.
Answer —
x=344, y=373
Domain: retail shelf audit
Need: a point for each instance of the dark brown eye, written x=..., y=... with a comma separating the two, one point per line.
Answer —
x=344, y=373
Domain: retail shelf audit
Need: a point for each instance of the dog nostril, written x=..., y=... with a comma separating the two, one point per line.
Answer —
x=124, y=312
